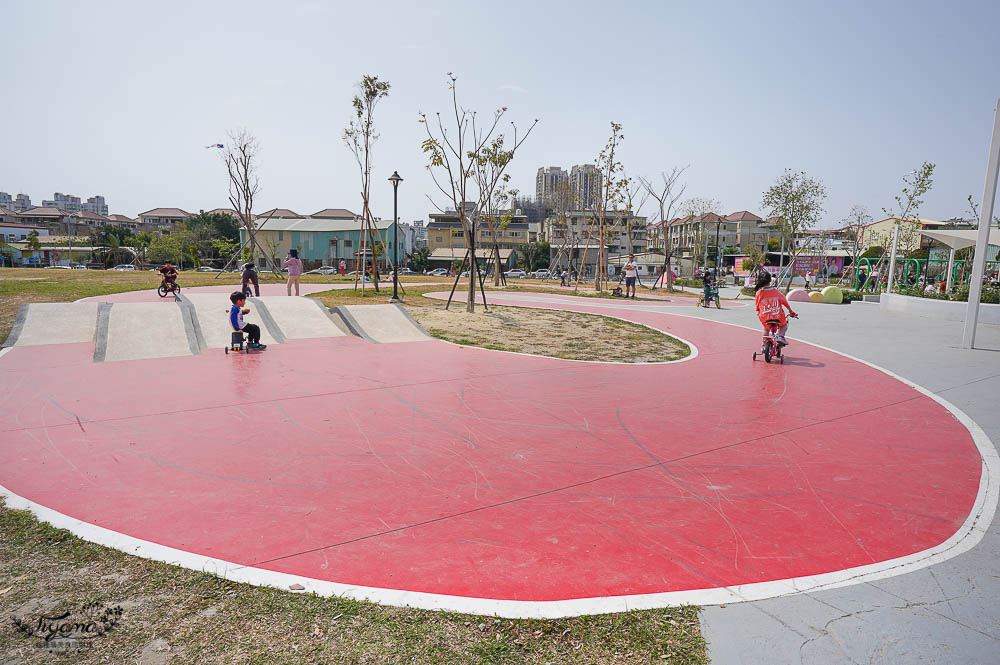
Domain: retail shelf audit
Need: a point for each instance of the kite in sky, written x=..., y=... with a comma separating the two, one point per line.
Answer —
x=214, y=145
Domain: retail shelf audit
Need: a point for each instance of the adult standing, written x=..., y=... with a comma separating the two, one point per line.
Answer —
x=343, y=267
x=294, y=266
x=630, y=269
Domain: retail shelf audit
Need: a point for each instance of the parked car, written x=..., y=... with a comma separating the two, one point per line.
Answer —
x=407, y=271
x=543, y=273
x=124, y=266
x=516, y=272
x=438, y=272
x=323, y=270
x=58, y=268
x=79, y=267
x=208, y=269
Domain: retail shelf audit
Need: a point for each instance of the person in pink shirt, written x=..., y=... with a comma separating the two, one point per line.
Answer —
x=294, y=266
x=771, y=305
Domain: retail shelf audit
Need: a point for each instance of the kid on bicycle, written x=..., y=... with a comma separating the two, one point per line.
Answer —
x=771, y=304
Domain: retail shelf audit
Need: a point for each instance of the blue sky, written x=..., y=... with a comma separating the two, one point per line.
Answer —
x=120, y=98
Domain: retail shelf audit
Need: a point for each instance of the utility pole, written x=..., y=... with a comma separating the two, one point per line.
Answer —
x=983, y=238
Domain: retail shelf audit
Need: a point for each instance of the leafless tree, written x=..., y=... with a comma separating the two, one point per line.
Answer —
x=854, y=226
x=635, y=196
x=666, y=194
x=240, y=157
x=456, y=157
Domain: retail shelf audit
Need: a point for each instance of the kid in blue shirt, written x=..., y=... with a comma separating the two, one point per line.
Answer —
x=236, y=320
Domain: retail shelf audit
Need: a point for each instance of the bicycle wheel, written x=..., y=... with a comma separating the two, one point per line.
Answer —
x=767, y=352
x=718, y=303
x=162, y=290
x=177, y=289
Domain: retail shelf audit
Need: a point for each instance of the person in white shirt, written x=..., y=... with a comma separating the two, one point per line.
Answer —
x=630, y=274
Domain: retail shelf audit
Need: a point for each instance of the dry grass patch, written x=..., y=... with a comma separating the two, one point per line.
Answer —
x=544, y=332
x=173, y=615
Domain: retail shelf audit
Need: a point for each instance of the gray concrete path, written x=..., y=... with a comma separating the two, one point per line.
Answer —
x=948, y=613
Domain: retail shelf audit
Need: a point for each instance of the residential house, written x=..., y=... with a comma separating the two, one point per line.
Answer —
x=163, y=220
x=53, y=219
x=334, y=213
x=280, y=213
x=444, y=230
x=319, y=241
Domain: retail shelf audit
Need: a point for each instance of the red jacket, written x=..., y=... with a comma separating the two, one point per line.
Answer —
x=769, y=304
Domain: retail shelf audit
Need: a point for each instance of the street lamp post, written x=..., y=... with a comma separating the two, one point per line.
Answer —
x=395, y=180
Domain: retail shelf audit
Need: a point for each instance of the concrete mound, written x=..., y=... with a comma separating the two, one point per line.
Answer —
x=54, y=323
x=192, y=324
x=382, y=324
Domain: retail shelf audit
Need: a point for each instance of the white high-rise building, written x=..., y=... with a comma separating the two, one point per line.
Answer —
x=19, y=204
x=547, y=179
x=96, y=204
x=66, y=202
x=585, y=180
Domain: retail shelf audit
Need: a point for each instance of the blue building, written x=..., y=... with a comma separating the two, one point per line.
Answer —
x=321, y=241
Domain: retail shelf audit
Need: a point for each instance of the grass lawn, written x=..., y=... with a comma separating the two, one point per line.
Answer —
x=175, y=615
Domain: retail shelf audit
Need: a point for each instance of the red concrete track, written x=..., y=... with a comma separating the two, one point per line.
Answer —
x=435, y=468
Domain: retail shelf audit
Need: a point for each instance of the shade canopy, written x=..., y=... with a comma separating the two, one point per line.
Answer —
x=961, y=239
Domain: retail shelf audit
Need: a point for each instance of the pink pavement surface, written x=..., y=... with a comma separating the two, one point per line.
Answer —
x=438, y=468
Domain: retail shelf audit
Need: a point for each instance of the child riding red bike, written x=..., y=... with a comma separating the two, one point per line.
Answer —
x=169, y=276
x=771, y=305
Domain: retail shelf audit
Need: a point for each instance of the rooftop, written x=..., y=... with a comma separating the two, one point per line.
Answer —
x=165, y=212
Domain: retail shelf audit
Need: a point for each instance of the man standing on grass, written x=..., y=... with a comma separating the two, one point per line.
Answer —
x=630, y=274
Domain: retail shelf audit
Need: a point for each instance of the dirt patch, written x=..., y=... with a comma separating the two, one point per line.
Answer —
x=546, y=332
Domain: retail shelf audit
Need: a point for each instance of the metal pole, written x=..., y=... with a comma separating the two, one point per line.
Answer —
x=395, y=180
x=892, y=258
x=982, y=240
x=951, y=269
x=69, y=238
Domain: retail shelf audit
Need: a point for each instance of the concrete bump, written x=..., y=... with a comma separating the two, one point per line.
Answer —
x=383, y=324
x=101, y=332
x=268, y=320
x=15, y=332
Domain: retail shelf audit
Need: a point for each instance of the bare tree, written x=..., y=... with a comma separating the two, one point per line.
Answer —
x=855, y=223
x=359, y=136
x=666, y=194
x=240, y=158
x=563, y=201
x=697, y=208
x=610, y=195
x=635, y=196
x=456, y=158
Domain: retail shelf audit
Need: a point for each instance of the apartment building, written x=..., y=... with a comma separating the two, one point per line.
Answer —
x=547, y=179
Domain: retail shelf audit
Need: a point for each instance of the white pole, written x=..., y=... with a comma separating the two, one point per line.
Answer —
x=985, y=219
x=951, y=269
x=892, y=258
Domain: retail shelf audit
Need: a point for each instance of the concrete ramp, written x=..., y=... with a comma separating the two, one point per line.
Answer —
x=131, y=331
x=53, y=323
x=211, y=319
x=382, y=323
x=302, y=318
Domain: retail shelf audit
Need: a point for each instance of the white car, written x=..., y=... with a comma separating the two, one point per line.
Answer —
x=438, y=272
x=516, y=272
x=124, y=266
x=208, y=269
x=58, y=268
